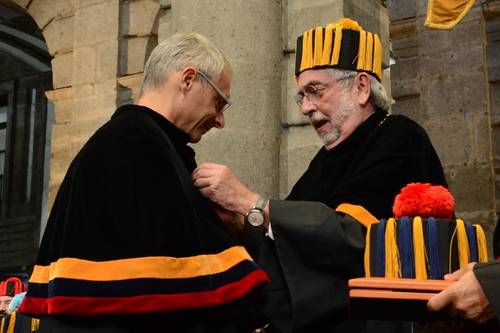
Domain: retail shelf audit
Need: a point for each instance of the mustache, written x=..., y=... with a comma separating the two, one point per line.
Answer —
x=317, y=117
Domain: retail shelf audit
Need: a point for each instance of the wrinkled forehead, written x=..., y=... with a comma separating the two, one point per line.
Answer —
x=313, y=76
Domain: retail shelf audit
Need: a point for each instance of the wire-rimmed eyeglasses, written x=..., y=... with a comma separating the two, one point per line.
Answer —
x=217, y=89
x=314, y=91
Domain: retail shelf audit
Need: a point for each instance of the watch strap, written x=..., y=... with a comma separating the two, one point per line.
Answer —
x=261, y=203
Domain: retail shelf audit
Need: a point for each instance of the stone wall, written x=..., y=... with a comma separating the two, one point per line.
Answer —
x=491, y=13
x=440, y=79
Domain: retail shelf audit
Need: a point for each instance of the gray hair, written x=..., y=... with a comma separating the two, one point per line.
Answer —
x=179, y=51
x=378, y=96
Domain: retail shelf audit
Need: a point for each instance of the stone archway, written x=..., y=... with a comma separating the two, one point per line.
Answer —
x=25, y=76
x=98, y=48
x=56, y=21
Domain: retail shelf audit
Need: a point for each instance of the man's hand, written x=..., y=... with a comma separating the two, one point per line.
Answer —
x=219, y=184
x=234, y=221
x=465, y=298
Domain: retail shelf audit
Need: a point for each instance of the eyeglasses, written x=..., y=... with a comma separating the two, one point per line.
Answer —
x=227, y=103
x=314, y=91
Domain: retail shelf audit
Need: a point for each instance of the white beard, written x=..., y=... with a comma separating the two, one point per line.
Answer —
x=339, y=118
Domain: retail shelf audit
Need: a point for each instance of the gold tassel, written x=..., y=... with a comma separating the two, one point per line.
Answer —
x=369, y=51
x=482, y=247
x=35, y=324
x=306, y=50
x=392, y=265
x=318, y=46
x=327, y=46
x=367, y=251
x=450, y=252
x=336, y=46
x=2, y=324
x=362, y=50
x=12, y=323
x=463, y=244
x=419, y=249
x=349, y=24
x=377, y=56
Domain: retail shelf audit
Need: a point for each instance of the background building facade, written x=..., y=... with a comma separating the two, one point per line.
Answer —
x=446, y=80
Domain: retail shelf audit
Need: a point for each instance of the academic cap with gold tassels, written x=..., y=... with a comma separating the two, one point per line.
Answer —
x=343, y=44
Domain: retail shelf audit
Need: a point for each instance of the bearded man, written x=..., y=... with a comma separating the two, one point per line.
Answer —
x=312, y=243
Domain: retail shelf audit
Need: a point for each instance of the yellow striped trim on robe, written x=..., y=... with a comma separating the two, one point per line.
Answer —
x=357, y=212
x=137, y=268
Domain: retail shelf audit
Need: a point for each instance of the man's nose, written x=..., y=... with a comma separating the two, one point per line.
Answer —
x=307, y=107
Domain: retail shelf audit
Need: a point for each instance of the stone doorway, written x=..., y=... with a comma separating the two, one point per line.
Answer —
x=25, y=121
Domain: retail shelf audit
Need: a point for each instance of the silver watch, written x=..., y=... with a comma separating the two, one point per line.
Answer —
x=256, y=216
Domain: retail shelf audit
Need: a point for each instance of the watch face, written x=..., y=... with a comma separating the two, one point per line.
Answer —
x=255, y=218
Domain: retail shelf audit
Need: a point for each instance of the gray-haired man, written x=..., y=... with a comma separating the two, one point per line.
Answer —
x=131, y=245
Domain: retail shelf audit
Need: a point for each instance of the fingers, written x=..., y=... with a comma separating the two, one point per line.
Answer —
x=209, y=167
x=456, y=275
x=441, y=300
x=208, y=170
x=203, y=174
x=217, y=183
x=464, y=298
x=201, y=182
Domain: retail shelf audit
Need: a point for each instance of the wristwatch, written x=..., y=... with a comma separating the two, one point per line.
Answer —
x=256, y=216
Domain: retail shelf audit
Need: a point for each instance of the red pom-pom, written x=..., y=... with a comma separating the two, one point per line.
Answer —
x=424, y=200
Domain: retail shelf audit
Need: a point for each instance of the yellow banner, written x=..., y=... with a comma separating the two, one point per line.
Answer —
x=445, y=14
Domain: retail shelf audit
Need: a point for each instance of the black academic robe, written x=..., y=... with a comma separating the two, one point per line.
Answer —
x=488, y=274
x=127, y=246
x=316, y=250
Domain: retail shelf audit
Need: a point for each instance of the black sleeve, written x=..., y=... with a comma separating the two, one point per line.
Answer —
x=488, y=274
x=314, y=252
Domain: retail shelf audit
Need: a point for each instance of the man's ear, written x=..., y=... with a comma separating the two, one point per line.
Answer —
x=362, y=88
x=188, y=76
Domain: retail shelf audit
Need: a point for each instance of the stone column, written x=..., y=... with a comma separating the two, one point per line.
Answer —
x=138, y=26
x=84, y=44
x=249, y=33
